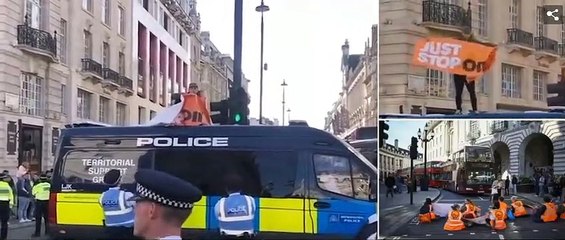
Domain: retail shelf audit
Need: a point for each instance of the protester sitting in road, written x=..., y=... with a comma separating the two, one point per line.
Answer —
x=427, y=212
x=547, y=212
x=454, y=220
x=517, y=207
x=496, y=217
x=561, y=211
x=470, y=210
x=503, y=206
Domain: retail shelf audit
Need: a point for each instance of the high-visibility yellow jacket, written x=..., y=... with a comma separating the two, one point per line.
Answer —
x=41, y=191
x=6, y=194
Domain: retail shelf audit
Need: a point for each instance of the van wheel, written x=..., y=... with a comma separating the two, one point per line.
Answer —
x=368, y=232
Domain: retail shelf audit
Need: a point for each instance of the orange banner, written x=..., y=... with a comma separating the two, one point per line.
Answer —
x=454, y=56
x=193, y=112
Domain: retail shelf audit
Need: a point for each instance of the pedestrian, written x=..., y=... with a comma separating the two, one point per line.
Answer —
x=500, y=184
x=6, y=203
x=239, y=221
x=23, y=189
x=41, y=195
x=163, y=203
x=460, y=82
x=118, y=212
x=494, y=191
x=389, y=183
x=514, y=183
x=507, y=186
x=541, y=186
x=562, y=183
x=398, y=184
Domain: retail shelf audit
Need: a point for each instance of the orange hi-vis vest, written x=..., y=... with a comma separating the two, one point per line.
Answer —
x=498, y=222
x=194, y=111
x=454, y=222
x=427, y=217
x=550, y=214
x=470, y=209
x=519, y=209
x=504, y=208
x=563, y=214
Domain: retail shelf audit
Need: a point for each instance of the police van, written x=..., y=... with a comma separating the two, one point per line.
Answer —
x=306, y=183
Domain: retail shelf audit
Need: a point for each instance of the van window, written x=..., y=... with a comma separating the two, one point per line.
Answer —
x=344, y=177
x=263, y=173
x=90, y=166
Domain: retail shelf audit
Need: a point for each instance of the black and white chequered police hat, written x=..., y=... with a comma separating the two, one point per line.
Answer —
x=165, y=189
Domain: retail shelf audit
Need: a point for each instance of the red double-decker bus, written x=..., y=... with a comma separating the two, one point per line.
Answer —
x=470, y=172
x=434, y=172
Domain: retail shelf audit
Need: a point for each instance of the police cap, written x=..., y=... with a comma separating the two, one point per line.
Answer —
x=43, y=176
x=165, y=189
x=112, y=176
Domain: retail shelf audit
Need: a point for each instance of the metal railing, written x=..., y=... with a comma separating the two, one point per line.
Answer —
x=519, y=36
x=546, y=44
x=90, y=65
x=109, y=74
x=36, y=38
x=126, y=82
x=445, y=13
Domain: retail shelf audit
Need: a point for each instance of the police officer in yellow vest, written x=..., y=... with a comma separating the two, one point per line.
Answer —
x=6, y=203
x=41, y=194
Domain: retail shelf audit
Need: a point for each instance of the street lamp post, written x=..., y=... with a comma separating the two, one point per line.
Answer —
x=261, y=8
x=283, y=85
x=425, y=138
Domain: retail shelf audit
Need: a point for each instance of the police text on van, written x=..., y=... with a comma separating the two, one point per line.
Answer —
x=183, y=142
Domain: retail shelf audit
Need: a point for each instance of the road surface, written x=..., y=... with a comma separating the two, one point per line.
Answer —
x=19, y=231
x=521, y=228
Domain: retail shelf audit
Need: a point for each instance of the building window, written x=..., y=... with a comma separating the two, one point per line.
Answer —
x=87, y=5
x=483, y=18
x=104, y=110
x=105, y=55
x=122, y=63
x=34, y=14
x=438, y=83
x=152, y=114
x=514, y=14
x=511, y=77
x=166, y=22
x=540, y=78
x=541, y=28
x=87, y=44
x=84, y=102
x=122, y=18
x=121, y=114
x=484, y=84
x=30, y=94
x=63, y=99
x=141, y=113
x=106, y=12
x=62, y=37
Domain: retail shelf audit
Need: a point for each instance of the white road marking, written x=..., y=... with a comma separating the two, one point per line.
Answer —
x=391, y=208
x=515, y=231
x=555, y=230
x=428, y=235
x=500, y=236
x=493, y=232
x=450, y=234
x=481, y=198
x=536, y=230
x=472, y=233
x=405, y=235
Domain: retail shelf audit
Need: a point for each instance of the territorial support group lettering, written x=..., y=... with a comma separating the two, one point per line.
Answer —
x=98, y=167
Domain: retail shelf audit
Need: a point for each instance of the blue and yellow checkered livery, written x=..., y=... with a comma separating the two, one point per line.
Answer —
x=285, y=215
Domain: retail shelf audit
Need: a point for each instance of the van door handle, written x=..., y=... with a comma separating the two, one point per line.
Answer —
x=322, y=205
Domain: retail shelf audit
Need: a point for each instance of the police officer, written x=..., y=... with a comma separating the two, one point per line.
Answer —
x=163, y=203
x=236, y=212
x=6, y=203
x=41, y=194
x=118, y=212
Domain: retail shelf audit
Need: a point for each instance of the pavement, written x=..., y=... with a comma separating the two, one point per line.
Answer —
x=396, y=211
x=521, y=228
x=17, y=230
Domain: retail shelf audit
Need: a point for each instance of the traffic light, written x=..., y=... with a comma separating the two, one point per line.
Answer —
x=559, y=89
x=239, y=107
x=414, y=148
x=383, y=136
x=223, y=116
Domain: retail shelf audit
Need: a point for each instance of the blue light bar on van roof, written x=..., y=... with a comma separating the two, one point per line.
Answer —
x=524, y=115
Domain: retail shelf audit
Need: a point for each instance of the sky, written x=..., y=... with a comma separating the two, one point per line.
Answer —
x=302, y=44
x=404, y=130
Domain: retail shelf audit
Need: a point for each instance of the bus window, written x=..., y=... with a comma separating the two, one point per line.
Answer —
x=90, y=166
x=480, y=177
x=264, y=173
